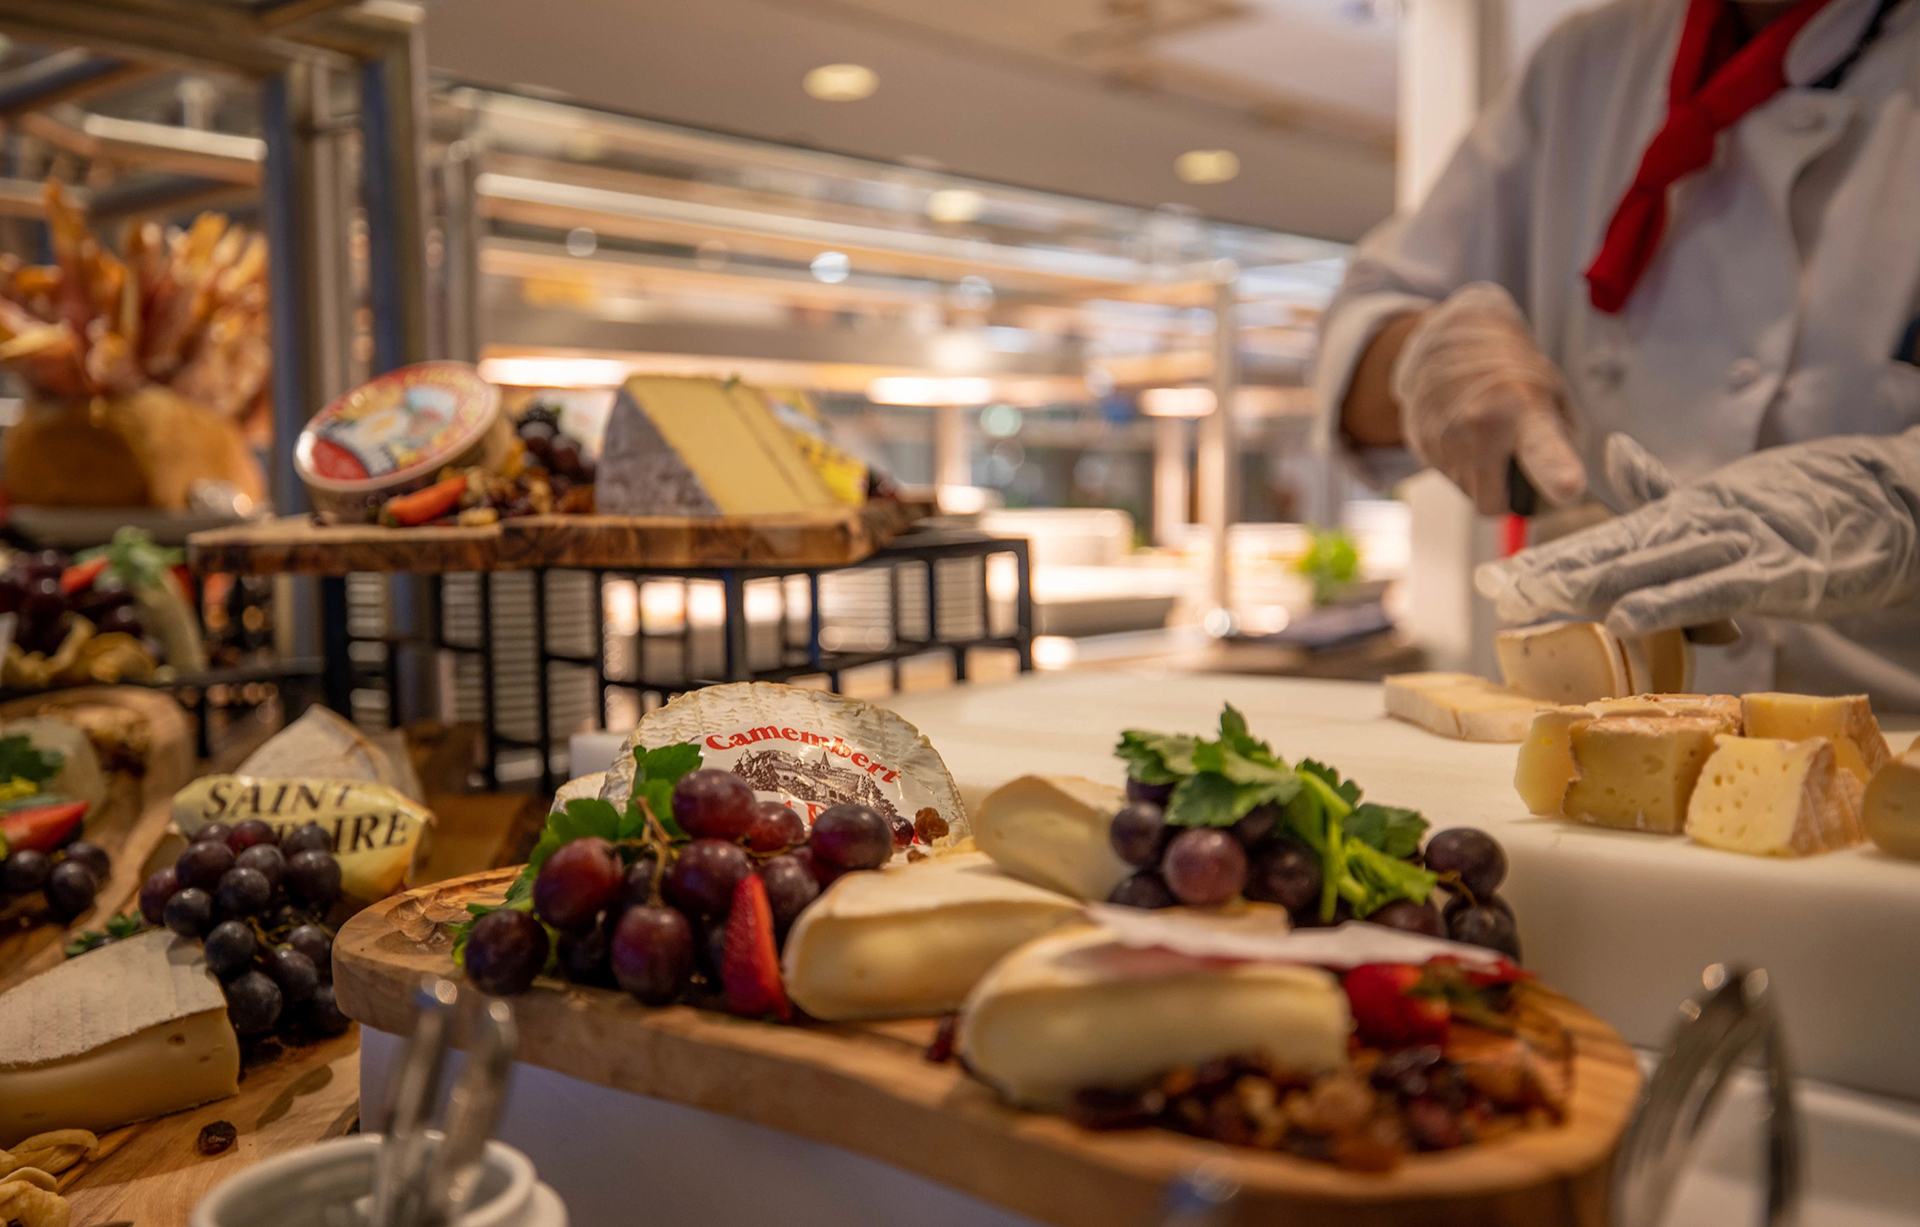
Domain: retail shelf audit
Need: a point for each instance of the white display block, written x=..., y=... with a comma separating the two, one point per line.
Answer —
x=1622, y=922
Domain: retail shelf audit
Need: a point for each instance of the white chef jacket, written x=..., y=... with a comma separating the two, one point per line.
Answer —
x=1774, y=305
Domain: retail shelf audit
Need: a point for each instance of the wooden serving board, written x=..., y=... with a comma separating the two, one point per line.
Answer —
x=867, y=1088
x=297, y=545
x=131, y=824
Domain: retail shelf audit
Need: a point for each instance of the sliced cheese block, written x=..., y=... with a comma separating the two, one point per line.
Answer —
x=1891, y=811
x=1847, y=719
x=1459, y=705
x=323, y=745
x=1636, y=773
x=1076, y=1010
x=1562, y=662
x=1052, y=831
x=911, y=940
x=1722, y=709
x=1772, y=797
x=135, y=1029
x=80, y=776
x=1658, y=663
x=1545, y=767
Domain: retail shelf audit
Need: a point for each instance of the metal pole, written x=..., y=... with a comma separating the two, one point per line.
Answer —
x=1218, y=496
x=460, y=253
x=1170, y=485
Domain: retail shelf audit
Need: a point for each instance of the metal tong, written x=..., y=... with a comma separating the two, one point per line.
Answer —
x=421, y=1180
x=1734, y=1017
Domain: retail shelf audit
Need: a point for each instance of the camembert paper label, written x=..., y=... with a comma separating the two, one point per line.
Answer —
x=377, y=833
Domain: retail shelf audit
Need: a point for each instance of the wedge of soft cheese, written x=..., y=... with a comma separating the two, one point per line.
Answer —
x=1077, y=1011
x=1771, y=797
x=80, y=777
x=1636, y=773
x=1051, y=830
x=323, y=745
x=1892, y=807
x=135, y=1029
x=911, y=940
x=1848, y=719
x=1658, y=663
x=1459, y=705
x=1545, y=767
x=1562, y=662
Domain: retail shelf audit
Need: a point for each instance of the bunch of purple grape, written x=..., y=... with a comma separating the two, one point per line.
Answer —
x=650, y=916
x=258, y=905
x=31, y=587
x=1256, y=859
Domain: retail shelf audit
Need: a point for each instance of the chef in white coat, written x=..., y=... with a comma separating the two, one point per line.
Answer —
x=1677, y=268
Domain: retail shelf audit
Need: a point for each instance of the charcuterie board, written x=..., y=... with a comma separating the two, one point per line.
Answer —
x=869, y=1088
x=298, y=545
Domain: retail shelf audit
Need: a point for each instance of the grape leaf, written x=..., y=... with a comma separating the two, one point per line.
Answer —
x=1371, y=879
x=1390, y=828
x=1236, y=737
x=1156, y=758
x=1211, y=799
x=20, y=759
x=1346, y=790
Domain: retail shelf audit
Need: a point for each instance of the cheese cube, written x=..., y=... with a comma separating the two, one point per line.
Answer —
x=1052, y=831
x=1562, y=662
x=1892, y=806
x=1459, y=705
x=1847, y=719
x=1771, y=797
x=1658, y=663
x=1545, y=767
x=1636, y=773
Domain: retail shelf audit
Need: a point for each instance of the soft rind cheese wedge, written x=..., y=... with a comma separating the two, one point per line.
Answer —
x=1051, y=830
x=1076, y=1010
x=911, y=940
x=1637, y=773
x=1770, y=797
x=1459, y=705
x=1847, y=719
x=1545, y=766
x=322, y=745
x=1562, y=662
x=1658, y=663
x=135, y=1029
x=80, y=777
x=1891, y=810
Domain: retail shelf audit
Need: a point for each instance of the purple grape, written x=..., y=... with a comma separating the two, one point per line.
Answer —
x=713, y=804
x=317, y=944
x=776, y=827
x=790, y=888
x=190, y=912
x=13, y=590
x=1145, y=889
x=155, y=891
x=70, y=889
x=505, y=951
x=253, y=1003
x=1285, y=872
x=702, y=879
x=1460, y=903
x=850, y=836
x=295, y=973
x=243, y=892
x=25, y=870
x=902, y=827
x=1258, y=823
x=203, y=864
x=636, y=885
x=248, y=834
x=266, y=860
x=580, y=878
x=1139, y=833
x=653, y=953
x=313, y=878
x=311, y=837
x=92, y=855
x=1409, y=917
x=1204, y=867
x=230, y=948
x=43, y=601
x=213, y=832
x=323, y=1012
x=1473, y=855
x=1152, y=794
x=1487, y=926
x=583, y=956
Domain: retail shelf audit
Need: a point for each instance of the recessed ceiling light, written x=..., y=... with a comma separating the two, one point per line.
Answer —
x=1207, y=165
x=955, y=204
x=841, y=82
x=831, y=267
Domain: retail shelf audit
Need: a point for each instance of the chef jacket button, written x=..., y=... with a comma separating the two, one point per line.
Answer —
x=1742, y=373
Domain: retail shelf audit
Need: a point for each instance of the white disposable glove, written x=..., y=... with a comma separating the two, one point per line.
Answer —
x=1811, y=531
x=1475, y=392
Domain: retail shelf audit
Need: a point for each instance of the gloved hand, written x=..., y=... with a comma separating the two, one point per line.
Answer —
x=1476, y=392
x=1810, y=531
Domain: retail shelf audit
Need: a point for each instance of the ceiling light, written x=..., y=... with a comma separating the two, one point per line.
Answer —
x=841, y=82
x=955, y=204
x=1207, y=165
x=831, y=267
x=1183, y=402
x=919, y=390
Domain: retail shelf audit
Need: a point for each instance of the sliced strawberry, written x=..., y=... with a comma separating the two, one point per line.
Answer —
x=80, y=576
x=750, y=963
x=42, y=828
x=1389, y=1008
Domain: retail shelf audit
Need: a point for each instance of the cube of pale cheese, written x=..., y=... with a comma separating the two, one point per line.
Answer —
x=1848, y=719
x=1636, y=773
x=1077, y=1011
x=1545, y=767
x=135, y=1029
x=1562, y=662
x=1771, y=797
x=1459, y=705
x=911, y=940
x=1052, y=831
x=1891, y=811
x=1658, y=663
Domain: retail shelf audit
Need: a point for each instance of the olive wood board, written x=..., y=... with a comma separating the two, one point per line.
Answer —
x=298, y=545
x=868, y=1088
x=153, y=1173
x=131, y=824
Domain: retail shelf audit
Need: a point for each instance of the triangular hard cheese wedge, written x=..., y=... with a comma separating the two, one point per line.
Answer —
x=1771, y=797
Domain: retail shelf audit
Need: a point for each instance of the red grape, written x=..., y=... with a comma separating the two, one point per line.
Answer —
x=636, y=885
x=1152, y=794
x=203, y=864
x=46, y=564
x=583, y=956
x=823, y=873
x=70, y=889
x=295, y=973
x=311, y=837
x=1409, y=917
x=850, y=836
x=323, y=1012
x=505, y=951
x=266, y=859
x=190, y=912
x=702, y=878
x=1204, y=867
x=230, y=948
x=313, y=878
x=243, y=892
x=213, y=832
x=92, y=855
x=44, y=601
x=653, y=953
x=317, y=944
x=580, y=878
x=253, y=1003
x=248, y=833
x=1139, y=833
x=1256, y=825
x=1285, y=872
x=13, y=590
x=1473, y=855
x=790, y=888
x=713, y=804
x=1460, y=903
x=1487, y=925
x=902, y=831
x=25, y=870
x=155, y=891
x=121, y=620
x=1145, y=889
x=776, y=827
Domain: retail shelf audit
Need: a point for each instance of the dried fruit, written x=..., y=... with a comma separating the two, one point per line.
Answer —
x=216, y=1137
x=929, y=825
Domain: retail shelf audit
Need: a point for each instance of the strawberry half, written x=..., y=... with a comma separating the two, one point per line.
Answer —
x=1393, y=1006
x=41, y=828
x=749, y=961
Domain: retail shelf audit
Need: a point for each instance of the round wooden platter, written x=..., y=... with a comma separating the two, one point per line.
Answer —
x=868, y=1088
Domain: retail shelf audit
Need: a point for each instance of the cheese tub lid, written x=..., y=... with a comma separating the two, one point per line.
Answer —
x=808, y=748
x=397, y=427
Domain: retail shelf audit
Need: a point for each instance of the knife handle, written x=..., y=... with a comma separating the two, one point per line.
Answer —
x=1522, y=499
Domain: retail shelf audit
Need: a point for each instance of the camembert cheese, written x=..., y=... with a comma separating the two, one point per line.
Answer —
x=1847, y=719
x=1636, y=773
x=1052, y=831
x=1562, y=662
x=1546, y=768
x=1892, y=808
x=1077, y=1010
x=1459, y=705
x=911, y=940
x=133, y=1030
x=1772, y=797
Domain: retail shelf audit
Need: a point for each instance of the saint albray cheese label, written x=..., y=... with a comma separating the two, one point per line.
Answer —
x=377, y=832
x=808, y=748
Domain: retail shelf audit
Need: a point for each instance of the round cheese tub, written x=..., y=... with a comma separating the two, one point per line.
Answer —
x=397, y=433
